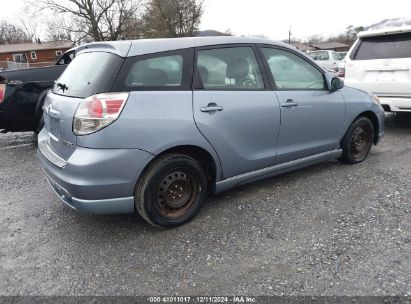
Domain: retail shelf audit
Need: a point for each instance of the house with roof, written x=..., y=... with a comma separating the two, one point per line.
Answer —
x=40, y=52
x=333, y=45
x=302, y=47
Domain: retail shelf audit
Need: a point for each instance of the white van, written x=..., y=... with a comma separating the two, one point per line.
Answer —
x=380, y=62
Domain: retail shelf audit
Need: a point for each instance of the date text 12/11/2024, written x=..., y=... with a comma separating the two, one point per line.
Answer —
x=203, y=299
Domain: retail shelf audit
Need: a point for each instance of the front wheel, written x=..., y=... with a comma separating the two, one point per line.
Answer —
x=171, y=191
x=358, y=141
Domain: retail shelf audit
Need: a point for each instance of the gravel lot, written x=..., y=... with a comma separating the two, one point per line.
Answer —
x=331, y=229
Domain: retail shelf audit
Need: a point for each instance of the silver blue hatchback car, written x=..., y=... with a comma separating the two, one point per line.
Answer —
x=156, y=125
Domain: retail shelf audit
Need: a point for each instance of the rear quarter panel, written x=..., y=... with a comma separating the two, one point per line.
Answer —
x=153, y=122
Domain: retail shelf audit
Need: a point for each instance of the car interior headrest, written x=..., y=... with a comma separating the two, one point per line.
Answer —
x=237, y=68
x=154, y=77
x=203, y=71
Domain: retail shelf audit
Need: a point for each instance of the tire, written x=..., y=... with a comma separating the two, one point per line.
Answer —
x=171, y=191
x=39, y=120
x=358, y=141
x=40, y=125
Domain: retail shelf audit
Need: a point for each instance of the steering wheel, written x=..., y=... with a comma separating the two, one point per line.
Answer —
x=248, y=82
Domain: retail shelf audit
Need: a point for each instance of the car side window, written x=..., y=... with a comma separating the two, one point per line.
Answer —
x=164, y=71
x=234, y=68
x=66, y=58
x=291, y=72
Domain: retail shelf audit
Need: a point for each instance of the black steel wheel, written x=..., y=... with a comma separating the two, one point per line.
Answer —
x=358, y=141
x=171, y=190
x=176, y=192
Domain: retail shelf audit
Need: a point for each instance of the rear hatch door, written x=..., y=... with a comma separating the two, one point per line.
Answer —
x=58, y=114
x=89, y=73
x=382, y=65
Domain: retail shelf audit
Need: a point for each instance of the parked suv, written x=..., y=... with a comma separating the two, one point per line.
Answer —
x=380, y=62
x=22, y=94
x=155, y=125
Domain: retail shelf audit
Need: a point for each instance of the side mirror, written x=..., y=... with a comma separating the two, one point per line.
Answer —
x=336, y=83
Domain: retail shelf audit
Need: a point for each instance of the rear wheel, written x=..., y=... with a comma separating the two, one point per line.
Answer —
x=358, y=141
x=171, y=191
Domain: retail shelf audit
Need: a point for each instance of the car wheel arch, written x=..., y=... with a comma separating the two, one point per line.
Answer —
x=210, y=162
x=374, y=120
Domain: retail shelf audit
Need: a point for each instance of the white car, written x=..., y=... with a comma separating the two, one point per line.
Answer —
x=380, y=62
x=326, y=58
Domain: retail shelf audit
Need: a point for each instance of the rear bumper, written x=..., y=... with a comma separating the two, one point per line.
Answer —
x=396, y=104
x=96, y=181
x=102, y=206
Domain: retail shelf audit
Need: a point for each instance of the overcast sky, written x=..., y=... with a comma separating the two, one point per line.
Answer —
x=273, y=18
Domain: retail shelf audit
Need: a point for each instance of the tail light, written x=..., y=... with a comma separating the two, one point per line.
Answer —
x=3, y=82
x=341, y=72
x=97, y=112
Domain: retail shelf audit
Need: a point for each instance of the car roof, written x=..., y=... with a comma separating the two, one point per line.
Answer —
x=385, y=31
x=148, y=46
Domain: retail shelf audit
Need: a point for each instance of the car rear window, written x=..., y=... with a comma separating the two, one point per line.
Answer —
x=88, y=73
x=384, y=47
x=163, y=71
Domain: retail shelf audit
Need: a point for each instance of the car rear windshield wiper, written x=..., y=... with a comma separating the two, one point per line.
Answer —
x=62, y=86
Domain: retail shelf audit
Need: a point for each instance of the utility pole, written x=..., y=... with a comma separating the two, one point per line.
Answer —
x=289, y=35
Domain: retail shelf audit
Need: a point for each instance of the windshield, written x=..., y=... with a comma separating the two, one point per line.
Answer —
x=86, y=74
x=384, y=47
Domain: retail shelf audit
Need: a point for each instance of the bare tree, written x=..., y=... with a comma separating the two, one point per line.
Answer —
x=97, y=20
x=31, y=26
x=351, y=33
x=347, y=37
x=314, y=39
x=10, y=33
x=58, y=29
x=172, y=18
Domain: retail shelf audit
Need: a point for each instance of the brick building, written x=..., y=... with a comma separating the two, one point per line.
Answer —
x=34, y=53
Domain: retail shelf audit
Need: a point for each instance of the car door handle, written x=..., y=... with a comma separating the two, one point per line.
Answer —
x=211, y=108
x=290, y=103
